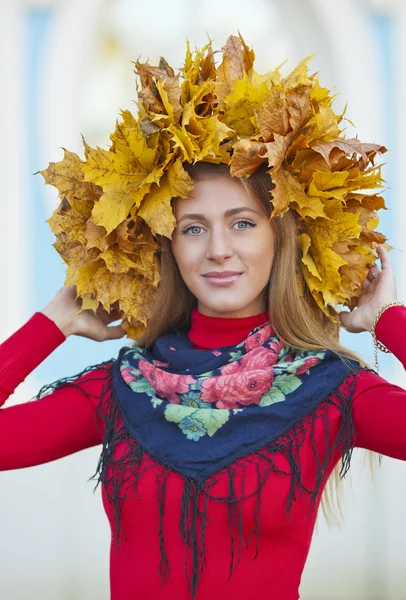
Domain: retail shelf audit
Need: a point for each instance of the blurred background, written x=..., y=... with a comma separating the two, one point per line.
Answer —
x=66, y=70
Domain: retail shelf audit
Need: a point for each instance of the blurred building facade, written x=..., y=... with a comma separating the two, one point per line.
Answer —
x=65, y=70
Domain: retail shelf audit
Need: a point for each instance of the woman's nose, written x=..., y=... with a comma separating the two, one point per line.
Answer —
x=218, y=246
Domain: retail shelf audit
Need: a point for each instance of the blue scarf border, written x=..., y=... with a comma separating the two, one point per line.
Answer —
x=286, y=438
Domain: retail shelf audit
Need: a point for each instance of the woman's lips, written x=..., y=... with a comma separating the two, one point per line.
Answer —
x=222, y=281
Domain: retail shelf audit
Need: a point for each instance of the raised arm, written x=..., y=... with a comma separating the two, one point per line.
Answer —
x=64, y=421
x=379, y=407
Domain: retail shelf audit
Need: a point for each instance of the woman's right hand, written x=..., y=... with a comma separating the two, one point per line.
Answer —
x=63, y=310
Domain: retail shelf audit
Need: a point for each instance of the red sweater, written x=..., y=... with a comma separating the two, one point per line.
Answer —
x=64, y=422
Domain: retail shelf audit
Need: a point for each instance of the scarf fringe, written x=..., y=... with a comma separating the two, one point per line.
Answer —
x=73, y=380
x=118, y=475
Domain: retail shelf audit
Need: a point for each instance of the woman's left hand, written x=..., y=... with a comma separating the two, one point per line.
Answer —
x=380, y=288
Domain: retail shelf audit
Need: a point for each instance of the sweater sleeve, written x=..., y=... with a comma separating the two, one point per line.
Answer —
x=60, y=423
x=379, y=407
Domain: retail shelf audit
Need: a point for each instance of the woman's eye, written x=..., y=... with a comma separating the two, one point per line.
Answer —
x=192, y=230
x=244, y=222
x=196, y=229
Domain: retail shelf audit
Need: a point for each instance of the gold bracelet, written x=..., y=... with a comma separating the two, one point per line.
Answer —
x=378, y=344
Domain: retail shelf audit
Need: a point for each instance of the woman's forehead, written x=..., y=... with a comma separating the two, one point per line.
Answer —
x=215, y=196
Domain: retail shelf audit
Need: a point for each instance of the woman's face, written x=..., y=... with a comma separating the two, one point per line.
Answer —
x=222, y=231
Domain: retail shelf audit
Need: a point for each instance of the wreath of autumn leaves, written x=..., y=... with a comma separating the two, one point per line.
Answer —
x=115, y=202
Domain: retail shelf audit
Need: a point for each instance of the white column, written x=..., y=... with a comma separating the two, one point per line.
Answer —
x=399, y=151
x=14, y=231
x=346, y=55
x=55, y=537
x=395, y=471
x=67, y=57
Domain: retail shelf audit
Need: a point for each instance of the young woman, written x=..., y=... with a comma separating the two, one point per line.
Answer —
x=221, y=426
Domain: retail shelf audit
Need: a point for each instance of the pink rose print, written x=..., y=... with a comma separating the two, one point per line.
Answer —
x=128, y=374
x=159, y=363
x=231, y=368
x=167, y=385
x=216, y=353
x=276, y=347
x=306, y=365
x=258, y=338
x=258, y=358
x=239, y=389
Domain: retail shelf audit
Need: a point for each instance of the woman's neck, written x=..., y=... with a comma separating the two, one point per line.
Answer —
x=214, y=332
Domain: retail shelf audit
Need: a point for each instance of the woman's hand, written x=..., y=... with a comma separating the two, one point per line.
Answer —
x=380, y=288
x=63, y=310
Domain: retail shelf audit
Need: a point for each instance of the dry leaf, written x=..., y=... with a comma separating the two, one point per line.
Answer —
x=117, y=201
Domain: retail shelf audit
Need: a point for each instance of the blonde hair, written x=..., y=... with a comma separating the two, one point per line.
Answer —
x=293, y=313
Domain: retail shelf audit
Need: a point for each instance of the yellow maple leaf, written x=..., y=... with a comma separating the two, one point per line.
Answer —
x=156, y=209
x=287, y=189
x=68, y=177
x=96, y=236
x=349, y=147
x=299, y=76
x=179, y=180
x=125, y=172
x=117, y=201
x=276, y=150
x=329, y=185
x=242, y=104
x=325, y=233
x=237, y=60
x=273, y=116
x=169, y=91
x=117, y=261
x=323, y=126
x=307, y=259
x=247, y=157
x=300, y=107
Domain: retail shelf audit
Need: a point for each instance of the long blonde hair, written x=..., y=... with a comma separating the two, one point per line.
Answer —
x=293, y=313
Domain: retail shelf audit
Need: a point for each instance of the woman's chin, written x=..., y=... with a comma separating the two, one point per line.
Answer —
x=223, y=308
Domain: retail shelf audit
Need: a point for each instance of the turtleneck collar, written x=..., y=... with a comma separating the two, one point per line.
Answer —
x=213, y=332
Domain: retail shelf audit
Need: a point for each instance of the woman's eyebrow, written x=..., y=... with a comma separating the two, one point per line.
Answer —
x=228, y=213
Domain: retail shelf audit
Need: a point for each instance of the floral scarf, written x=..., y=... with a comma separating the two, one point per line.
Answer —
x=186, y=404
x=202, y=412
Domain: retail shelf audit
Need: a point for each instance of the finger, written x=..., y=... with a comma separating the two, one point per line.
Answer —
x=113, y=320
x=71, y=289
x=344, y=316
x=107, y=317
x=115, y=332
x=373, y=274
x=349, y=321
x=115, y=315
x=383, y=254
